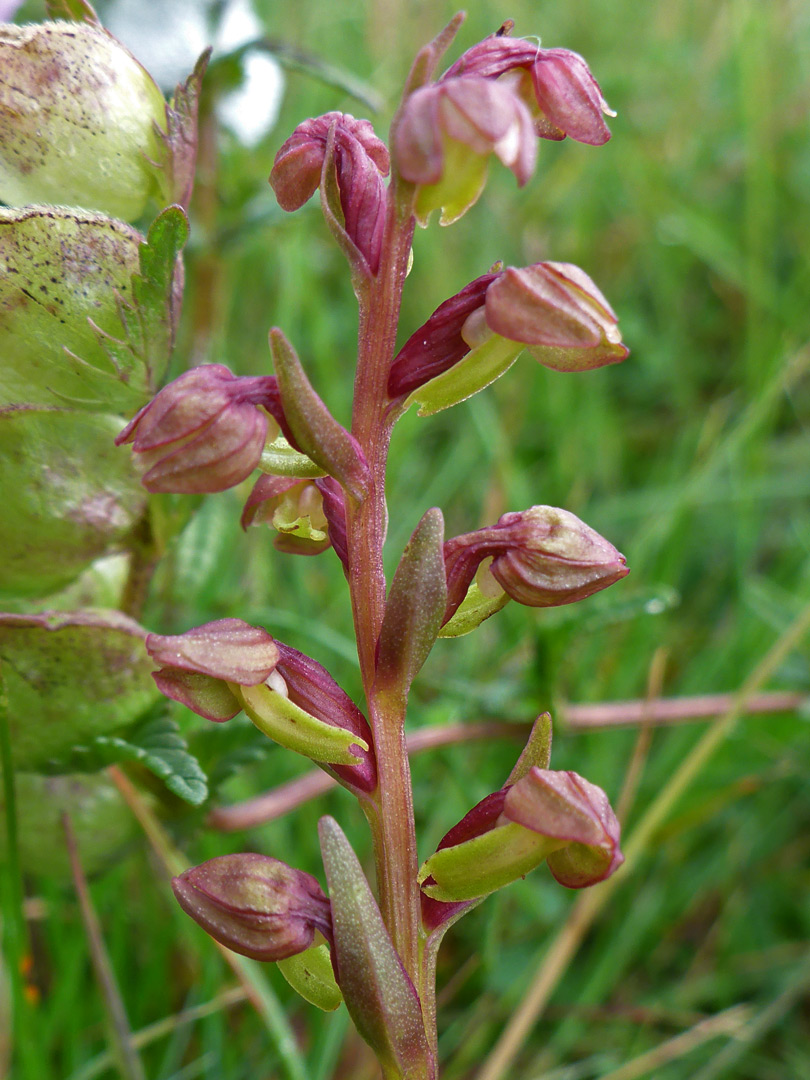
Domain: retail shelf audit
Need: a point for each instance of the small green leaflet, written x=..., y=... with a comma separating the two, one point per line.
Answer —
x=150, y=320
x=158, y=746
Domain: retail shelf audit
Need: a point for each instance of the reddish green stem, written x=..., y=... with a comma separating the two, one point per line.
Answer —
x=391, y=822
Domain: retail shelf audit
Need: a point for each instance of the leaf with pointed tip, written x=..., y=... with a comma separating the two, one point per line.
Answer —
x=316, y=431
x=537, y=750
x=149, y=320
x=380, y=997
x=415, y=606
x=180, y=137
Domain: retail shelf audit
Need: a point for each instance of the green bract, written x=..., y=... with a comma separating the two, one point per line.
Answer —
x=80, y=295
x=60, y=269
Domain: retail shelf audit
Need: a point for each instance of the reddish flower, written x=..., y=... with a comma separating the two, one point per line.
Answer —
x=204, y=432
x=255, y=905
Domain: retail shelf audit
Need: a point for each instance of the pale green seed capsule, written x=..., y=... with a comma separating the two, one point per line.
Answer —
x=77, y=120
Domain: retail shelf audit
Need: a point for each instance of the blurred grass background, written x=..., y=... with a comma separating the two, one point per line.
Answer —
x=692, y=457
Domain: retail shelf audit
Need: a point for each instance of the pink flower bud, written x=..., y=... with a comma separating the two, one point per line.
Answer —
x=204, y=432
x=551, y=816
x=569, y=96
x=553, y=558
x=563, y=95
x=255, y=905
x=568, y=807
x=558, y=313
x=361, y=161
x=197, y=666
x=292, y=507
x=445, y=135
x=553, y=309
x=542, y=557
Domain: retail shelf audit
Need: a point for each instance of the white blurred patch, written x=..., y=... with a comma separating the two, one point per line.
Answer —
x=7, y=9
x=167, y=36
x=251, y=111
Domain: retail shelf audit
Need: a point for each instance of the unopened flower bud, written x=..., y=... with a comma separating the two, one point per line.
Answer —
x=558, y=313
x=294, y=508
x=202, y=667
x=542, y=557
x=553, y=310
x=255, y=905
x=554, y=558
x=204, y=432
x=546, y=815
x=556, y=84
x=80, y=120
x=446, y=134
x=360, y=161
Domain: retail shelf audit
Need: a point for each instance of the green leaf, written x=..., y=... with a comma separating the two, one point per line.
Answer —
x=78, y=10
x=69, y=496
x=158, y=746
x=149, y=320
x=380, y=997
x=70, y=677
x=66, y=275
